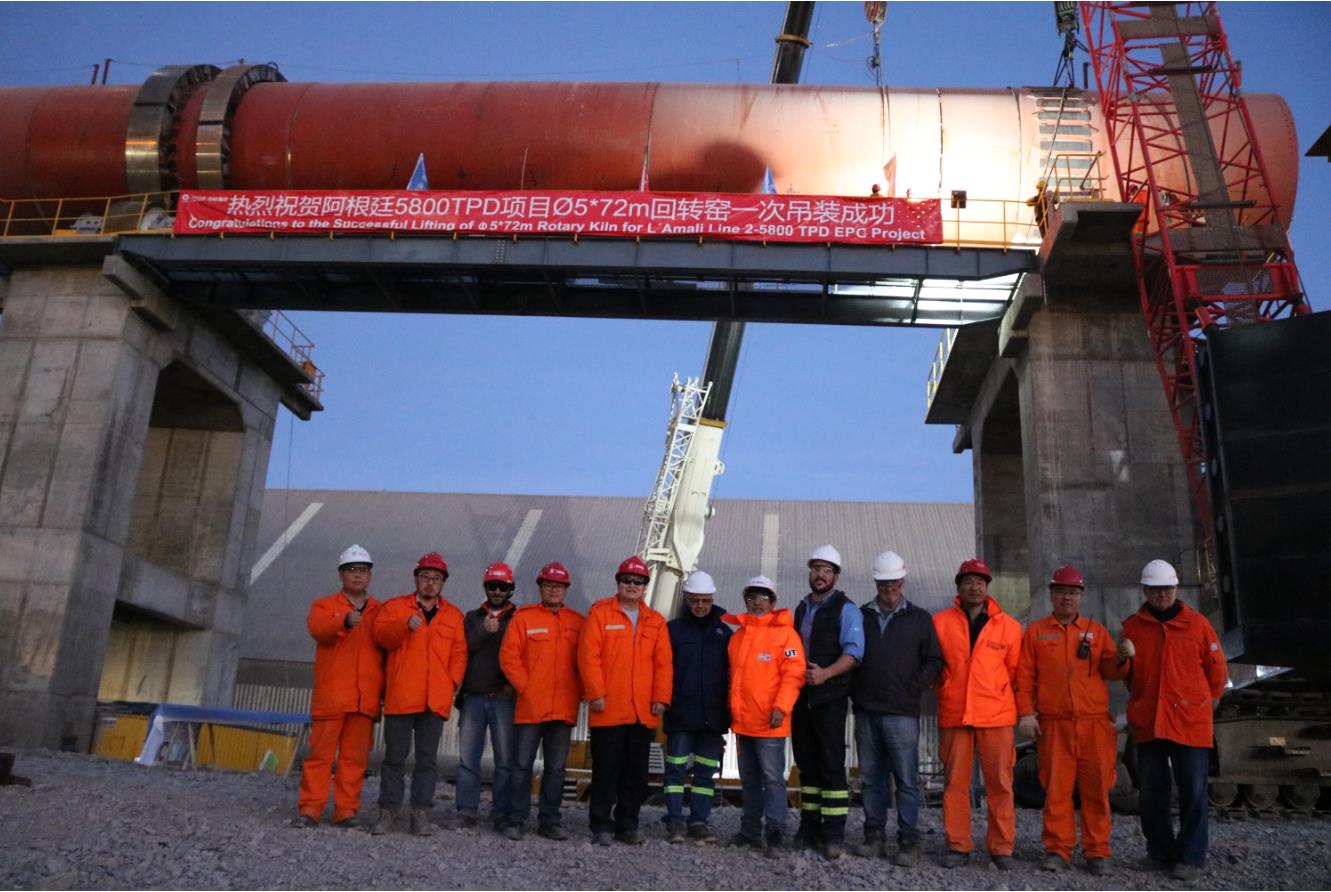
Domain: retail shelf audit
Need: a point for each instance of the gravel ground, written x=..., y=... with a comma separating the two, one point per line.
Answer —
x=99, y=824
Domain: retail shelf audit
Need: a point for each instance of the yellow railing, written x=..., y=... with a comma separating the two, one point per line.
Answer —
x=941, y=354
x=101, y=216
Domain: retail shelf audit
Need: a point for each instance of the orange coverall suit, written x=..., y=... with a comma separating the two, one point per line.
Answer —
x=1078, y=743
x=977, y=711
x=426, y=666
x=539, y=657
x=348, y=688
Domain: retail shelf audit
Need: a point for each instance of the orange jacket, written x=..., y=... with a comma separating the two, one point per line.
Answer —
x=539, y=657
x=1053, y=682
x=766, y=672
x=425, y=666
x=631, y=669
x=975, y=688
x=1178, y=670
x=348, y=666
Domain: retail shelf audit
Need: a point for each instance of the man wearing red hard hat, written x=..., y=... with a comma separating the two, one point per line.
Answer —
x=627, y=670
x=976, y=713
x=485, y=700
x=540, y=658
x=1063, y=700
x=427, y=654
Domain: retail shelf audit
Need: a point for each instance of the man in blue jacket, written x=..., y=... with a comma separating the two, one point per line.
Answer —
x=699, y=713
x=902, y=658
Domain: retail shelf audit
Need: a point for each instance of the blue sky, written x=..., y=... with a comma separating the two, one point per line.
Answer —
x=578, y=407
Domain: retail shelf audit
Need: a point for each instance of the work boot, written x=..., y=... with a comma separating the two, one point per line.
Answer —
x=347, y=823
x=512, y=831
x=872, y=846
x=1097, y=866
x=554, y=831
x=1053, y=862
x=466, y=819
x=304, y=822
x=776, y=846
x=833, y=850
x=1003, y=862
x=1186, y=872
x=954, y=859
x=602, y=838
x=908, y=853
x=674, y=833
x=420, y=822
x=702, y=834
x=740, y=841
x=631, y=837
x=384, y=821
x=1150, y=863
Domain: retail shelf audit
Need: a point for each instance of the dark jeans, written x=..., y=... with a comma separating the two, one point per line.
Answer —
x=889, y=747
x=1190, y=765
x=705, y=748
x=476, y=713
x=426, y=728
x=552, y=738
x=619, y=776
x=762, y=774
x=818, y=736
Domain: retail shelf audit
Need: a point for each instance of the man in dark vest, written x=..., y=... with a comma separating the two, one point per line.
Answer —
x=832, y=630
x=901, y=661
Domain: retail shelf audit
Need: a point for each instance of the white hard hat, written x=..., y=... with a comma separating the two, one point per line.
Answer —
x=354, y=555
x=761, y=582
x=1159, y=572
x=827, y=554
x=699, y=583
x=889, y=565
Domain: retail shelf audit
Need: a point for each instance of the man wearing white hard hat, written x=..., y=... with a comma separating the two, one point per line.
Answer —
x=348, y=689
x=1177, y=671
x=699, y=716
x=832, y=632
x=766, y=674
x=902, y=659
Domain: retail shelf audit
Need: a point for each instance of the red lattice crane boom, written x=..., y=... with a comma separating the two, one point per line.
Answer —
x=1209, y=252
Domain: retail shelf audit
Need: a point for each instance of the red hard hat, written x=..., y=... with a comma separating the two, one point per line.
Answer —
x=973, y=567
x=1067, y=575
x=553, y=572
x=431, y=561
x=634, y=565
x=499, y=572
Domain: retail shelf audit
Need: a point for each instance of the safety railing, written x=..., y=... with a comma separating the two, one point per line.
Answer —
x=941, y=354
x=282, y=331
x=74, y=217
x=1076, y=176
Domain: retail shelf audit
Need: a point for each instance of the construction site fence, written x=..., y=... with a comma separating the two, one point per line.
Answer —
x=270, y=698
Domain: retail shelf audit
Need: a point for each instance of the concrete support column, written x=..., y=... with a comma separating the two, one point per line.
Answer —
x=1105, y=486
x=134, y=444
x=77, y=375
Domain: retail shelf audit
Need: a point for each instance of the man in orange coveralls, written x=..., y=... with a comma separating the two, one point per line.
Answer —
x=627, y=670
x=348, y=687
x=766, y=673
x=1063, y=700
x=539, y=657
x=1177, y=671
x=976, y=713
x=427, y=656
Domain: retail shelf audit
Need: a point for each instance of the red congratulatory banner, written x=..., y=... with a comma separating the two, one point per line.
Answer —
x=770, y=218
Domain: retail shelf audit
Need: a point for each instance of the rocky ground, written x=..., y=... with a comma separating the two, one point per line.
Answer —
x=97, y=824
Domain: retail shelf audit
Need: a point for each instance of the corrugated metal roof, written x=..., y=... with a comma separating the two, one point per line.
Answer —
x=589, y=535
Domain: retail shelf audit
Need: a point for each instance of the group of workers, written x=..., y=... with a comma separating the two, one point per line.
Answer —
x=768, y=674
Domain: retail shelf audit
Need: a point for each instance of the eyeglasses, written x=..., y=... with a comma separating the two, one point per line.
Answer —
x=431, y=577
x=498, y=587
x=356, y=569
x=631, y=580
x=545, y=583
x=755, y=596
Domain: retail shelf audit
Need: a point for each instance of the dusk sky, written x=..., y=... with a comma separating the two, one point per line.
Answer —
x=578, y=407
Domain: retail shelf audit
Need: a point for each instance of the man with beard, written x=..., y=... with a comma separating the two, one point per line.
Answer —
x=832, y=632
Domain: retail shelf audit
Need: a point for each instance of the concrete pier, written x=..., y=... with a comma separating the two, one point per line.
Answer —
x=134, y=443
